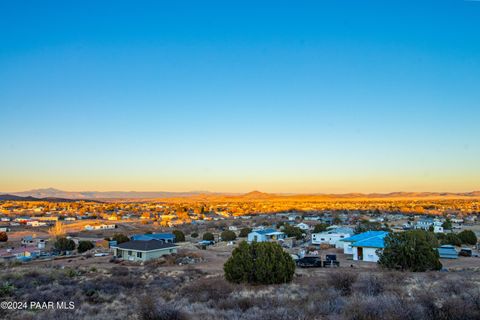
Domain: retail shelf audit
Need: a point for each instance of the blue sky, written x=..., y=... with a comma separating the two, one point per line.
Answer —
x=281, y=96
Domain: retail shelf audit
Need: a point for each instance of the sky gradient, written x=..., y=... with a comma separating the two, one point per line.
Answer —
x=279, y=96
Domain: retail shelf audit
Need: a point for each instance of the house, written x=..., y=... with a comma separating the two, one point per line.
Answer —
x=35, y=223
x=333, y=236
x=293, y=217
x=100, y=227
x=447, y=252
x=137, y=250
x=457, y=220
x=427, y=223
x=364, y=246
x=27, y=241
x=311, y=218
x=303, y=226
x=163, y=237
x=265, y=235
x=33, y=241
x=19, y=253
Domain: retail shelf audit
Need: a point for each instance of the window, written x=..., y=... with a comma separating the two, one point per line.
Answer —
x=139, y=254
x=129, y=252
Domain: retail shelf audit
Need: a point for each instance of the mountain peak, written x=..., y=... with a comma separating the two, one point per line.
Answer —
x=256, y=194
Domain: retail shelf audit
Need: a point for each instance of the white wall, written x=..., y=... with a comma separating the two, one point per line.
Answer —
x=347, y=248
x=369, y=254
x=331, y=238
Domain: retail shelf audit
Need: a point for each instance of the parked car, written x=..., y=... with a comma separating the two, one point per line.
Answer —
x=206, y=242
x=466, y=252
x=309, y=262
x=331, y=261
x=101, y=254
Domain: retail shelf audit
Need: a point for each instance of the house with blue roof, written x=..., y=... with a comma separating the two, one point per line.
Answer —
x=365, y=246
x=163, y=237
x=265, y=235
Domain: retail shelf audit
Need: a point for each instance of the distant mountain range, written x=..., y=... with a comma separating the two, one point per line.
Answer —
x=93, y=195
x=11, y=197
x=59, y=195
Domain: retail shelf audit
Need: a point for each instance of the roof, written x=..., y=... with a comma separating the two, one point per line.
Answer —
x=448, y=252
x=266, y=231
x=374, y=242
x=366, y=235
x=154, y=236
x=149, y=245
x=343, y=230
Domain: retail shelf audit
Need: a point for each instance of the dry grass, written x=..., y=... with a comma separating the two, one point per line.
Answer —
x=153, y=292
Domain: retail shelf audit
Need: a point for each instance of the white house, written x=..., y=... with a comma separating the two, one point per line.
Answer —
x=303, y=226
x=100, y=227
x=332, y=237
x=35, y=223
x=425, y=224
x=265, y=235
x=364, y=246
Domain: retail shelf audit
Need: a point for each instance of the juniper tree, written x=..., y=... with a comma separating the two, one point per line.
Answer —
x=413, y=250
x=259, y=263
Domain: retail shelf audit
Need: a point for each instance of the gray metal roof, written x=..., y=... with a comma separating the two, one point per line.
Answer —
x=145, y=245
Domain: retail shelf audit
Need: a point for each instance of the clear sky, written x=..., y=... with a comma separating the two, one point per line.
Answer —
x=280, y=96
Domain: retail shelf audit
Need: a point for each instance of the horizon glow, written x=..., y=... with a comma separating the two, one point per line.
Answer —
x=281, y=97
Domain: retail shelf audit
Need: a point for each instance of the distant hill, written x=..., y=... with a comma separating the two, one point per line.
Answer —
x=11, y=197
x=50, y=194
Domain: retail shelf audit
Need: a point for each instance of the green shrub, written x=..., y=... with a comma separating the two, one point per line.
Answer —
x=365, y=226
x=320, y=227
x=179, y=236
x=468, y=237
x=244, y=232
x=447, y=225
x=291, y=231
x=413, y=250
x=64, y=244
x=208, y=236
x=194, y=235
x=228, y=235
x=84, y=246
x=120, y=238
x=259, y=263
x=451, y=238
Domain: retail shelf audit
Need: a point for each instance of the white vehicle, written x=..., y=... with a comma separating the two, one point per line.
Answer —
x=101, y=254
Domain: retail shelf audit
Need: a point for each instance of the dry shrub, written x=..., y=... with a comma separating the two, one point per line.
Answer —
x=121, y=271
x=324, y=302
x=149, y=309
x=237, y=303
x=207, y=289
x=385, y=307
x=455, y=285
x=369, y=284
x=342, y=281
